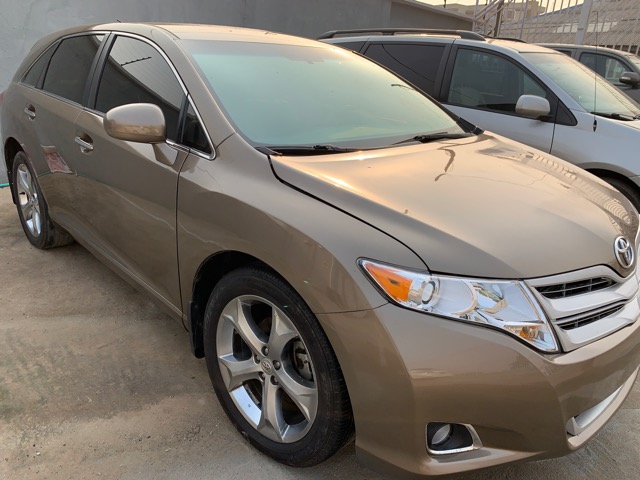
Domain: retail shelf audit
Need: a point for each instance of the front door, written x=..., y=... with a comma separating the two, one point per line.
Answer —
x=126, y=198
x=484, y=87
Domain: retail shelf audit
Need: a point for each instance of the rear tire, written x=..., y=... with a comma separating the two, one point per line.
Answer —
x=273, y=369
x=40, y=230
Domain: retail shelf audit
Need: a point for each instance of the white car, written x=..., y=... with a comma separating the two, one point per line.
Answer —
x=528, y=93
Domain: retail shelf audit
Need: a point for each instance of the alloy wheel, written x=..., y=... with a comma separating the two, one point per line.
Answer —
x=28, y=200
x=266, y=368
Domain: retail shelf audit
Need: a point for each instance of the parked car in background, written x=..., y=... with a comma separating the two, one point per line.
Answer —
x=529, y=93
x=344, y=252
x=619, y=67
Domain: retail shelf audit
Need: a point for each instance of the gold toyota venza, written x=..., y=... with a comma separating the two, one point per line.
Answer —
x=347, y=255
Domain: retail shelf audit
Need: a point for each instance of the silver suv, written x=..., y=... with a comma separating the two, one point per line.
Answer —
x=528, y=93
x=620, y=68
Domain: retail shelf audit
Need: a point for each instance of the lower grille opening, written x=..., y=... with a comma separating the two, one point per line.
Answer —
x=448, y=438
x=570, y=323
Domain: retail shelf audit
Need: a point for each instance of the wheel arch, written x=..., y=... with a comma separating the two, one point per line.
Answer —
x=11, y=148
x=207, y=277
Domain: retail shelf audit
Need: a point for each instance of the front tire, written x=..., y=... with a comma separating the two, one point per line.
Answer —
x=40, y=230
x=273, y=369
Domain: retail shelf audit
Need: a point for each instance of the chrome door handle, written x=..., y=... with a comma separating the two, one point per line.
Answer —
x=30, y=113
x=85, y=147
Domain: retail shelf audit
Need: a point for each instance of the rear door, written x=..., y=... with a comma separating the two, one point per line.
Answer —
x=126, y=198
x=422, y=64
x=59, y=80
x=483, y=87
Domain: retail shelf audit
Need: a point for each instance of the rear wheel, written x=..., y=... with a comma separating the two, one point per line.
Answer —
x=274, y=370
x=32, y=208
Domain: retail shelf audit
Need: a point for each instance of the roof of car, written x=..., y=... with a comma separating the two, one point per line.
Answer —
x=401, y=36
x=594, y=48
x=194, y=32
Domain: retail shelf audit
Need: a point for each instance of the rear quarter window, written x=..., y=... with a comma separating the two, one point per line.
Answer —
x=35, y=72
x=70, y=66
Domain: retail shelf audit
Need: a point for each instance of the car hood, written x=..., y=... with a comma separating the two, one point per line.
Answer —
x=481, y=206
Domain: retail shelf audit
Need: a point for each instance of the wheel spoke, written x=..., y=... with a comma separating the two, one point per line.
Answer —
x=27, y=211
x=282, y=332
x=235, y=313
x=24, y=181
x=305, y=397
x=35, y=215
x=236, y=372
x=272, y=421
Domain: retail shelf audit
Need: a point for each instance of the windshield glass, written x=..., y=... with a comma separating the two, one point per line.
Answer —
x=306, y=96
x=591, y=91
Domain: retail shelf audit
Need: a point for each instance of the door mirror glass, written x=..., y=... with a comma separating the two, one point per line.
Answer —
x=136, y=122
x=533, y=106
x=630, y=78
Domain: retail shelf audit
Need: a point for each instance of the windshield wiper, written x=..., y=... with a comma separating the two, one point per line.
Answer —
x=305, y=150
x=432, y=137
x=617, y=116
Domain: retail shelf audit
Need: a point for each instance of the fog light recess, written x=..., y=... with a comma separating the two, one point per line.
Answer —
x=448, y=438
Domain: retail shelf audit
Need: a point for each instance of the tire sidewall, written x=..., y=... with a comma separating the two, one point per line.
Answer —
x=242, y=283
x=39, y=241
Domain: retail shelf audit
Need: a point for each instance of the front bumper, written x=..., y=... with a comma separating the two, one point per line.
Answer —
x=405, y=369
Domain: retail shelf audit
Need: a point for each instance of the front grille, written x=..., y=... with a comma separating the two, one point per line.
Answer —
x=585, y=319
x=570, y=289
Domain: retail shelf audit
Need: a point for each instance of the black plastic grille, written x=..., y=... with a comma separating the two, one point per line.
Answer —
x=570, y=289
x=571, y=323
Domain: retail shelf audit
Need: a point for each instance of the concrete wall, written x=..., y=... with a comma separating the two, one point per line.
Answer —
x=407, y=15
x=22, y=22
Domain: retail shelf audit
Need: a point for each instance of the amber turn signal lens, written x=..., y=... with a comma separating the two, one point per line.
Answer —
x=394, y=284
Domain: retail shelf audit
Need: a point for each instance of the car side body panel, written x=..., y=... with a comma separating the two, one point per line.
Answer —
x=235, y=203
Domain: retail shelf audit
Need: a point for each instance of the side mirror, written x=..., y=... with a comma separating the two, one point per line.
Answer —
x=630, y=78
x=136, y=122
x=533, y=106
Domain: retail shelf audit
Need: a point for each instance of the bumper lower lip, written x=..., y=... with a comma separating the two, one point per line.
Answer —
x=419, y=369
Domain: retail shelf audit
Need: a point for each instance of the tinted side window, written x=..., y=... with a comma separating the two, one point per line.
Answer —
x=135, y=72
x=33, y=75
x=70, y=65
x=607, y=66
x=484, y=80
x=193, y=135
x=417, y=63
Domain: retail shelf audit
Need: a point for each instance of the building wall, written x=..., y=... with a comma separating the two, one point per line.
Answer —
x=22, y=22
x=409, y=16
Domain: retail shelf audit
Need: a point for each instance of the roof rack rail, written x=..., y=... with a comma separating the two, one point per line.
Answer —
x=466, y=34
x=511, y=39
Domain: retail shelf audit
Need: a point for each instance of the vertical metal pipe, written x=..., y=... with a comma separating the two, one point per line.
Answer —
x=583, y=23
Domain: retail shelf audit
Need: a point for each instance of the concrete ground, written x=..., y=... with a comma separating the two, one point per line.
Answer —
x=97, y=382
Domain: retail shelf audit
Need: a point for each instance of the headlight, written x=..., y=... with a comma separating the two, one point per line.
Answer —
x=503, y=304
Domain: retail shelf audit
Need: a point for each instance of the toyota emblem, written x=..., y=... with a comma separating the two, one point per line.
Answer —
x=624, y=251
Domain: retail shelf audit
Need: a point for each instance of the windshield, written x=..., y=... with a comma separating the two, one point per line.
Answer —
x=591, y=91
x=308, y=96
